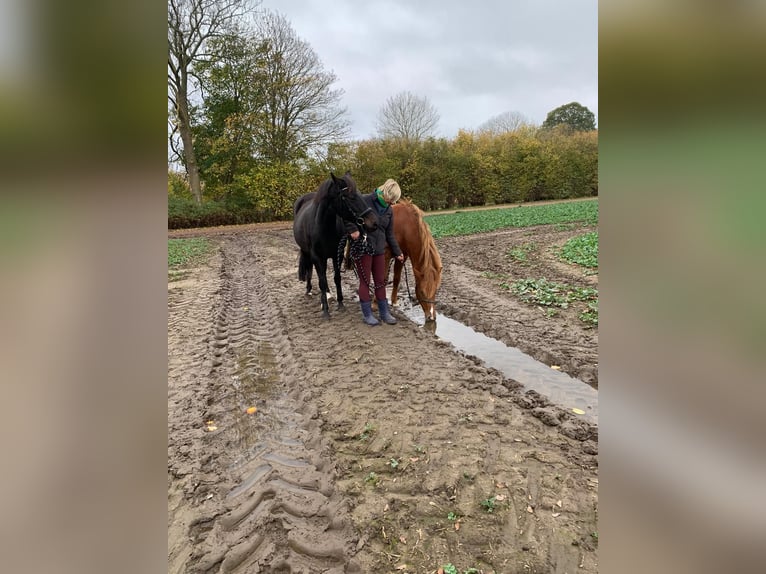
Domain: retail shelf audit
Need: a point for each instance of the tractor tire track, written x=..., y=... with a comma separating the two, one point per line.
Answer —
x=364, y=442
x=277, y=508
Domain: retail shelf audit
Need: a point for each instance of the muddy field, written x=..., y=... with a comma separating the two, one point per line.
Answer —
x=373, y=450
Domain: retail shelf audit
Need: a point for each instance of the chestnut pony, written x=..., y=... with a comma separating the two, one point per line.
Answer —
x=417, y=244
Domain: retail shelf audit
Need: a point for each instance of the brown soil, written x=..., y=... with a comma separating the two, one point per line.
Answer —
x=372, y=449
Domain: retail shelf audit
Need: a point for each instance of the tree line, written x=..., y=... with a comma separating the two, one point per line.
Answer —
x=254, y=122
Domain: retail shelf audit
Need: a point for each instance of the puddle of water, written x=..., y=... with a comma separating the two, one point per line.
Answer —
x=285, y=461
x=253, y=381
x=259, y=473
x=560, y=388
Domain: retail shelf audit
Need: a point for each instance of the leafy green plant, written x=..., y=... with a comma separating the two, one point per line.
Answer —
x=367, y=432
x=393, y=463
x=519, y=254
x=582, y=250
x=182, y=252
x=452, y=517
x=489, y=504
x=372, y=478
x=590, y=316
x=541, y=292
x=556, y=295
x=449, y=569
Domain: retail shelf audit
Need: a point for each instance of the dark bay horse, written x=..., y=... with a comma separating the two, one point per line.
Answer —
x=417, y=244
x=318, y=228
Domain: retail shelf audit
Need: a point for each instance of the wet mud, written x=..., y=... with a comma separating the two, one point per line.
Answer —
x=297, y=444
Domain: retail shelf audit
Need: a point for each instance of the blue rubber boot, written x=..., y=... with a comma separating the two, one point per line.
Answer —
x=385, y=314
x=367, y=315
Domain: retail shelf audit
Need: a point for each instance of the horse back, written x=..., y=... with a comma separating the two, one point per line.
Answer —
x=315, y=232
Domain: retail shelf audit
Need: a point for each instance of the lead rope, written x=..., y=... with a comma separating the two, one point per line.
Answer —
x=407, y=282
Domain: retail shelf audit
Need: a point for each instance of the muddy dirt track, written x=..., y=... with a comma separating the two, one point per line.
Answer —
x=380, y=449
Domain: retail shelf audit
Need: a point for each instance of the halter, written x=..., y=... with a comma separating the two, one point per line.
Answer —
x=358, y=218
x=407, y=282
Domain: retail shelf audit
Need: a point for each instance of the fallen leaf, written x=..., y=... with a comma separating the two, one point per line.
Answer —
x=500, y=485
x=210, y=423
x=555, y=367
x=211, y=428
x=529, y=509
x=555, y=514
x=251, y=410
x=457, y=525
x=578, y=411
x=440, y=571
x=500, y=497
x=558, y=503
x=403, y=540
x=414, y=459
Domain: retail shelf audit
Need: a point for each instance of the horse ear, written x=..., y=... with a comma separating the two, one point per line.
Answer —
x=335, y=179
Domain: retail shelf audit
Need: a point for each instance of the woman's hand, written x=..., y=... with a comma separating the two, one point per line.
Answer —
x=354, y=235
x=400, y=257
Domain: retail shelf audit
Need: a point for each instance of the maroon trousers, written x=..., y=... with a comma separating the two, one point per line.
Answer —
x=372, y=281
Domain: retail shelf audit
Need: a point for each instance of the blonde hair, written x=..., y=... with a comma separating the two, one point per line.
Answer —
x=391, y=191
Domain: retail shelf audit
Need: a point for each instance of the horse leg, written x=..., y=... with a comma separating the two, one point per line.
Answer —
x=321, y=266
x=305, y=268
x=338, y=289
x=397, y=278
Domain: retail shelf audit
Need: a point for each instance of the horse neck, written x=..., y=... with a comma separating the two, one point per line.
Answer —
x=425, y=261
x=326, y=213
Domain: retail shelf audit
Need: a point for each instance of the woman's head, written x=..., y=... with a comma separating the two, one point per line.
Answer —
x=390, y=191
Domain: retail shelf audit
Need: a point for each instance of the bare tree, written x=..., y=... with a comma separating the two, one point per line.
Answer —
x=301, y=113
x=191, y=23
x=407, y=116
x=505, y=123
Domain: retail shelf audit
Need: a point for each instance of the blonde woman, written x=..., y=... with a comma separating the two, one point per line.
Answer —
x=368, y=252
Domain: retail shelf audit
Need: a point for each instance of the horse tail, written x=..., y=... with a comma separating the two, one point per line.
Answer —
x=304, y=266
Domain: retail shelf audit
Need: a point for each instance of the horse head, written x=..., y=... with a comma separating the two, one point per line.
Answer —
x=352, y=206
x=425, y=291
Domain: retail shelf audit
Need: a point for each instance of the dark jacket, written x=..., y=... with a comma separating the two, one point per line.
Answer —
x=385, y=231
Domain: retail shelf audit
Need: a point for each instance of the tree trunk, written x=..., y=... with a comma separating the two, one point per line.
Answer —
x=190, y=157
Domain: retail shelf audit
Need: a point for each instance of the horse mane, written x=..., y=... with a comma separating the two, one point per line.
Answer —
x=324, y=187
x=427, y=258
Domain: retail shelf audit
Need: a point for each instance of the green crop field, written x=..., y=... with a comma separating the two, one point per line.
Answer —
x=478, y=221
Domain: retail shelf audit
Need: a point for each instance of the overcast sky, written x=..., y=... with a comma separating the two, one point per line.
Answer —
x=471, y=59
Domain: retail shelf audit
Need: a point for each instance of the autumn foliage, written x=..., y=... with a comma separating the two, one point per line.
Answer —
x=474, y=168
